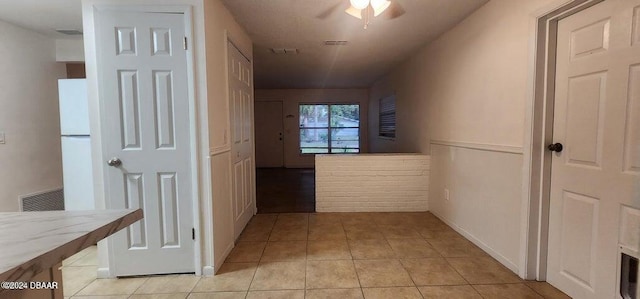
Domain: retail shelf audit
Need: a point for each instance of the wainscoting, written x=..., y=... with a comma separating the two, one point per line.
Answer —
x=484, y=184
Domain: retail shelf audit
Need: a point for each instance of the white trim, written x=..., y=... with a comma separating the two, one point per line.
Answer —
x=481, y=146
x=195, y=141
x=91, y=45
x=208, y=271
x=538, y=132
x=103, y=273
x=207, y=222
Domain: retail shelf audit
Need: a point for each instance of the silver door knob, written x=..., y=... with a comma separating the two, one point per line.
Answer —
x=114, y=162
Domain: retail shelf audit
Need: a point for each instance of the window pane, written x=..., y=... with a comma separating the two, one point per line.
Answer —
x=345, y=116
x=314, y=116
x=318, y=138
x=345, y=150
x=345, y=138
x=314, y=150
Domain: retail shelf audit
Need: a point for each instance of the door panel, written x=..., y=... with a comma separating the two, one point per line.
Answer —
x=594, y=187
x=632, y=137
x=145, y=116
x=269, y=134
x=241, y=91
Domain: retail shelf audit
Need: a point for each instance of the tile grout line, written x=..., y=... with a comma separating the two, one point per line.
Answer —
x=262, y=254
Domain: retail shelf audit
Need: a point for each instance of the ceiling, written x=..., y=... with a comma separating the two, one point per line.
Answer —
x=370, y=53
x=44, y=16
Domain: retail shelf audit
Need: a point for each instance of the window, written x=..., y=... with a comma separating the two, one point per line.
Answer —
x=329, y=129
x=387, y=127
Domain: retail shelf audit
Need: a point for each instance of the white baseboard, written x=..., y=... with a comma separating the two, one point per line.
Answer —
x=104, y=273
x=494, y=254
x=208, y=271
x=218, y=263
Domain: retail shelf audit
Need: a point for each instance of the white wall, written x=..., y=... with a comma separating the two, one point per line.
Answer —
x=292, y=98
x=220, y=25
x=467, y=92
x=30, y=161
x=70, y=50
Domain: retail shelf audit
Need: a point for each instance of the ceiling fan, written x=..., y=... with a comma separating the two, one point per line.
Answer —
x=366, y=10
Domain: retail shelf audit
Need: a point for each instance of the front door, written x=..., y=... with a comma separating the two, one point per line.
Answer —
x=594, y=212
x=145, y=120
x=241, y=102
x=269, y=134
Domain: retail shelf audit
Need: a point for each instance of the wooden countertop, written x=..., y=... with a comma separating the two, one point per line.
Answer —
x=32, y=242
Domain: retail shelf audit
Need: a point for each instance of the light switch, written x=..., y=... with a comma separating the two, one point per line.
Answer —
x=1, y=137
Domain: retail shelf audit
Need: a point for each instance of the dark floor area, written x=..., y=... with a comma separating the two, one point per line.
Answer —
x=285, y=190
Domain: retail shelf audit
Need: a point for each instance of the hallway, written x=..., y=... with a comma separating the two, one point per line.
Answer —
x=285, y=190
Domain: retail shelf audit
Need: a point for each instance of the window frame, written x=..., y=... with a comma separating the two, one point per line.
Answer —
x=329, y=147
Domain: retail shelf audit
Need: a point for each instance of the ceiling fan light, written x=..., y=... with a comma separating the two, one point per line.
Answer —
x=359, y=4
x=354, y=12
x=379, y=6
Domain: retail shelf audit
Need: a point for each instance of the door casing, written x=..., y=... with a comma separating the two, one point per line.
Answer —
x=90, y=10
x=539, y=133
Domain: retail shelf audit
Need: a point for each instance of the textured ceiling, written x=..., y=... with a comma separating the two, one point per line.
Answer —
x=370, y=53
x=44, y=16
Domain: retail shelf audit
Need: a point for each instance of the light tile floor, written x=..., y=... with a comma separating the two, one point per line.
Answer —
x=328, y=255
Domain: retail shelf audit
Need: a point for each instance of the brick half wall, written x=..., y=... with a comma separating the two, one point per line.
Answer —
x=372, y=183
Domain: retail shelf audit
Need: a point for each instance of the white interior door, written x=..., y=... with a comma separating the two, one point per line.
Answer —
x=269, y=134
x=594, y=200
x=241, y=104
x=145, y=118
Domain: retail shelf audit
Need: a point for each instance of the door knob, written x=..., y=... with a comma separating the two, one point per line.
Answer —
x=555, y=147
x=114, y=162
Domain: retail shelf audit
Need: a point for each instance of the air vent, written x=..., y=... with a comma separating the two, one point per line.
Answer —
x=290, y=51
x=43, y=201
x=335, y=43
x=69, y=31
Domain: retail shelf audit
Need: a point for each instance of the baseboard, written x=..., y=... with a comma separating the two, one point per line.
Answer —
x=208, y=271
x=218, y=263
x=104, y=273
x=486, y=248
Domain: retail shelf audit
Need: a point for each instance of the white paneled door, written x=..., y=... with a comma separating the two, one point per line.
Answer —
x=269, y=134
x=594, y=203
x=145, y=119
x=242, y=150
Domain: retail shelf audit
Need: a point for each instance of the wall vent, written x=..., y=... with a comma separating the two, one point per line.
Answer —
x=290, y=51
x=335, y=43
x=69, y=31
x=43, y=201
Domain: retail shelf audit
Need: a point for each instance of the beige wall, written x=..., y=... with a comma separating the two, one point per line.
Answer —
x=467, y=91
x=292, y=98
x=218, y=22
x=30, y=160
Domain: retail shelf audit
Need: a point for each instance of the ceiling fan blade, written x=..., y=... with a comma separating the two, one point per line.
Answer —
x=329, y=11
x=354, y=12
x=395, y=10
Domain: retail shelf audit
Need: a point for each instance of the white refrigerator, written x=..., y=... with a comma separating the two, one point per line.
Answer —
x=76, y=145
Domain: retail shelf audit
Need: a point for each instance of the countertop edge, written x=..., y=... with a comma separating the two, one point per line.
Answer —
x=31, y=268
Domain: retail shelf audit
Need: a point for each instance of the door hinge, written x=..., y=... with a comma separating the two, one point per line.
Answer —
x=193, y=233
x=185, y=43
